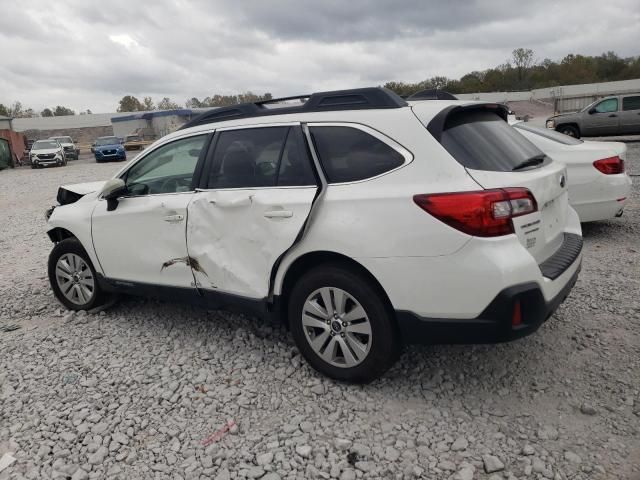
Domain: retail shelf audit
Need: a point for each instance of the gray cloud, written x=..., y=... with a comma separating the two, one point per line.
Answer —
x=87, y=54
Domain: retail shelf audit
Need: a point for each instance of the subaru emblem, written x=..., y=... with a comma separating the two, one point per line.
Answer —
x=562, y=181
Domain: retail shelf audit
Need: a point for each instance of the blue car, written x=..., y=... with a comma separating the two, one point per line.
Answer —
x=108, y=148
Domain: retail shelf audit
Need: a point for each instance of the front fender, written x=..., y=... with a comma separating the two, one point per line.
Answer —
x=75, y=219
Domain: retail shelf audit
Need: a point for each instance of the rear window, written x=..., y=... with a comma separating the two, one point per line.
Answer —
x=549, y=134
x=482, y=140
x=631, y=103
x=348, y=154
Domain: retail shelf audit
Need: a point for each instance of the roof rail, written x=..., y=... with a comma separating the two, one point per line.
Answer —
x=432, y=94
x=355, y=99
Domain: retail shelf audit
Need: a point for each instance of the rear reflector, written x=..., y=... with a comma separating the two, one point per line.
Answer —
x=516, y=318
x=610, y=166
x=484, y=213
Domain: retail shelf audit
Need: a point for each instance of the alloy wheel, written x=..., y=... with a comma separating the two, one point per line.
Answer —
x=337, y=327
x=75, y=279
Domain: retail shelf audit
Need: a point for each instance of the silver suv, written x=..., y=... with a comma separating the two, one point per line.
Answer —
x=615, y=115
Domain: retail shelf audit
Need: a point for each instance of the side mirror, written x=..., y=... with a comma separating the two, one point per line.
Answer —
x=111, y=190
x=592, y=111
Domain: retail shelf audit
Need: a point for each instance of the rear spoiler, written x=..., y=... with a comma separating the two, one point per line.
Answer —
x=438, y=124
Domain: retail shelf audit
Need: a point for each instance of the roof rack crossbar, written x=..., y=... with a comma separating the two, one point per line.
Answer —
x=355, y=99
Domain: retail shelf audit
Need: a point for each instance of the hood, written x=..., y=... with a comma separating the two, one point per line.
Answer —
x=560, y=115
x=45, y=150
x=111, y=146
x=72, y=193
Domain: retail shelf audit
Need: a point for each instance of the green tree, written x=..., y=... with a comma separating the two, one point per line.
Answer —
x=194, y=102
x=129, y=103
x=148, y=104
x=167, y=104
x=4, y=111
x=61, y=111
x=47, y=112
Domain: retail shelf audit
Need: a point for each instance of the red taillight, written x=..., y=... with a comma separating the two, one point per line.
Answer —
x=610, y=166
x=485, y=213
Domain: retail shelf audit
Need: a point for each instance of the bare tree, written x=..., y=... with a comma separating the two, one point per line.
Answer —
x=523, y=60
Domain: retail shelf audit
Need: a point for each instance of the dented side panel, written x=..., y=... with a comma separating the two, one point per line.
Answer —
x=236, y=235
x=144, y=239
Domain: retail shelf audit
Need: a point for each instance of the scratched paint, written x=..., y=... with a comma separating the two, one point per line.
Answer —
x=188, y=261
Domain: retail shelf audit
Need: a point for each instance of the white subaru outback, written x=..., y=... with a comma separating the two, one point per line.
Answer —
x=361, y=221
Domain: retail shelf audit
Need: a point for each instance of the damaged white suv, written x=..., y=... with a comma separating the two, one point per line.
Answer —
x=360, y=220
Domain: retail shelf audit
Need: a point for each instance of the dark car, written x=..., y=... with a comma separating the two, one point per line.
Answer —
x=108, y=148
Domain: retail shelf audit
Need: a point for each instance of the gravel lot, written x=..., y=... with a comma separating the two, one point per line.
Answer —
x=156, y=390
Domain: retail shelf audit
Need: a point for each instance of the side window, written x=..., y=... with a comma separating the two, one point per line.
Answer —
x=260, y=157
x=608, y=105
x=168, y=169
x=295, y=166
x=631, y=103
x=348, y=154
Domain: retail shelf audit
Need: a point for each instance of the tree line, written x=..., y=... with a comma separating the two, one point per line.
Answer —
x=522, y=71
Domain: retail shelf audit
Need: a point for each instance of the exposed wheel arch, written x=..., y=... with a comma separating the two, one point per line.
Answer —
x=306, y=262
x=571, y=129
x=58, y=234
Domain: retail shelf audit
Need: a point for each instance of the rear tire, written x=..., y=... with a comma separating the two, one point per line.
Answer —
x=355, y=338
x=72, y=276
x=569, y=130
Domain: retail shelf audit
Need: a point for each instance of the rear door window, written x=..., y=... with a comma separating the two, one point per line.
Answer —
x=349, y=154
x=481, y=140
x=631, y=103
x=260, y=157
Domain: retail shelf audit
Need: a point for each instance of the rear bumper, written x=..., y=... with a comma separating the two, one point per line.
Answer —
x=494, y=324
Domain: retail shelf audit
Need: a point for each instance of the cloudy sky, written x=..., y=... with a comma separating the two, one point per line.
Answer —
x=88, y=54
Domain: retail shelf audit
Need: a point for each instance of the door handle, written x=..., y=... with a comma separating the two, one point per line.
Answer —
x=174, y=218
x=235, y=202
x=612, y=115
x=278, y=214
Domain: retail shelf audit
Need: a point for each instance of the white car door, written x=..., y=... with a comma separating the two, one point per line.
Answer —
x=144, y=239
x=259, y=186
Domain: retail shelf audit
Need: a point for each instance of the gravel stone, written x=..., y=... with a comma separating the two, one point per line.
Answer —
x=303, y=450
x=460, y=444
x=492, y=464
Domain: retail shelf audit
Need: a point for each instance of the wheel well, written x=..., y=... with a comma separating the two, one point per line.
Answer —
x=311, y=260
x=574, y=125
x=58, y=234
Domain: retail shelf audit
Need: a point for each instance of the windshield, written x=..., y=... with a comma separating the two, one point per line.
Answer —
x=63, y=139
x=107, y=141
x=133, y=138
x=45, y=144
x=590, y=105
x=549, y=134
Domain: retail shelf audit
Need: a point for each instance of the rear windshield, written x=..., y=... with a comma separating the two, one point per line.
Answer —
x=549, y=134
x=481, y=140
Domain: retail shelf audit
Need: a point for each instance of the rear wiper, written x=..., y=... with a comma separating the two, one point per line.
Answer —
x=530, y=162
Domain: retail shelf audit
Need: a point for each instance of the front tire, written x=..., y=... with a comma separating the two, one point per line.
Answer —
x=569, y=130
x=342, y=325
x=72, y=276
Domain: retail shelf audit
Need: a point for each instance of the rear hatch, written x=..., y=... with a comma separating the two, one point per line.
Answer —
x=496, y=156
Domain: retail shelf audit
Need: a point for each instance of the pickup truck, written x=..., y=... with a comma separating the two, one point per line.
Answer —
x=614, y=115
x=135, y=142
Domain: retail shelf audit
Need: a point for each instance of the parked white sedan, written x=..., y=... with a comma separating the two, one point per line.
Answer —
x=598, y=184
